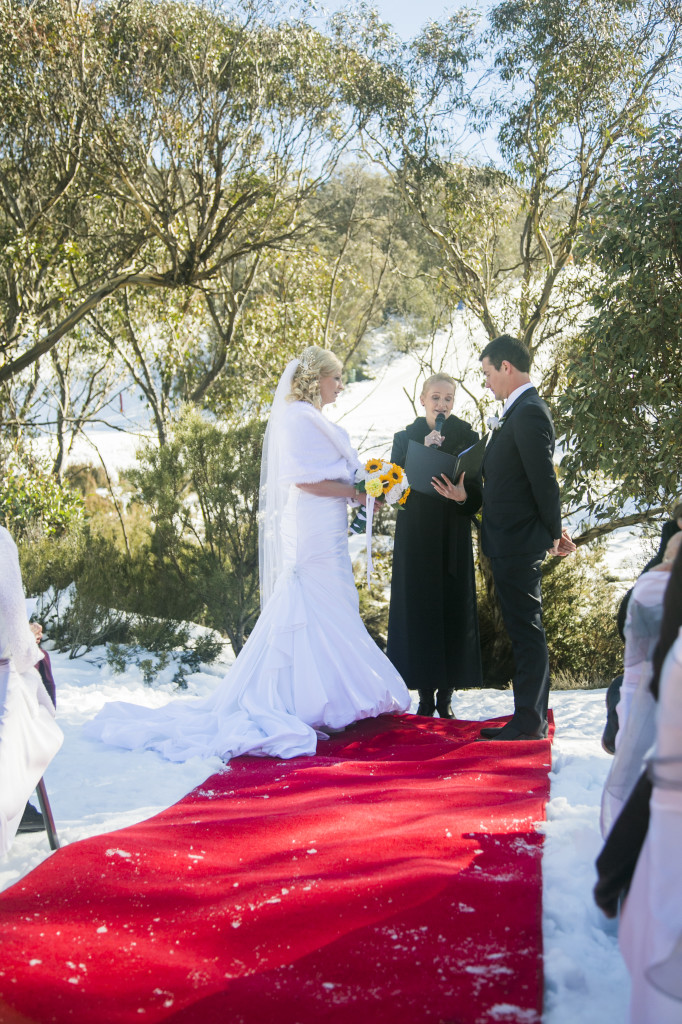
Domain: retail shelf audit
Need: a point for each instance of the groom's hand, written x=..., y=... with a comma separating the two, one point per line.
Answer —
x=562, y=546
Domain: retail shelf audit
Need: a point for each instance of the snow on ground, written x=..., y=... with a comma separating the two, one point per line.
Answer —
x=94, y=789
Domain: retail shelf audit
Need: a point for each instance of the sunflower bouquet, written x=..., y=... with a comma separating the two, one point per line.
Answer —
x=382, y=481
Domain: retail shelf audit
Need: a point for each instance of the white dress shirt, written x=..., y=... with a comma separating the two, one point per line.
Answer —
x=514, y=395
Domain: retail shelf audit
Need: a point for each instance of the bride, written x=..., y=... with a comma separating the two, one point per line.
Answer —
x=309, y=666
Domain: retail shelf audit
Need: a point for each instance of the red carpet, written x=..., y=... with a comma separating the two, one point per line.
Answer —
x=394, y=878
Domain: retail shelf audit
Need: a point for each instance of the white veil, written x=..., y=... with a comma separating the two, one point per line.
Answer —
x=272, y=495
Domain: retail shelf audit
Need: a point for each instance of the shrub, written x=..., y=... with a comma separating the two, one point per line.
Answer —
x=32, y=499
x=91, y=595
x=579, y=615
x=201, y=491
x=85, y=585
x=374, y=603
x=168, y=642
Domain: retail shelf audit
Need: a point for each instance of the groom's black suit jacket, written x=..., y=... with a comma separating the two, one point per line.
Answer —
x=521, y=508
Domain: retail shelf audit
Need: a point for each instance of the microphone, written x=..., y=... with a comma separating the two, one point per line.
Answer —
x=440, y=420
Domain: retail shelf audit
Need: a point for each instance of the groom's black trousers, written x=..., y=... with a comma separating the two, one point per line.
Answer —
x=517, y=582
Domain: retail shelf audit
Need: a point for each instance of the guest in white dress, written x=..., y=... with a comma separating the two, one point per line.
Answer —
x=636, y=708
x=309, y=666
x=650, y=931
x=29, y=735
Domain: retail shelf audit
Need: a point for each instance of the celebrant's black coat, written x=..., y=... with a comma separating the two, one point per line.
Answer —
x=433, y=636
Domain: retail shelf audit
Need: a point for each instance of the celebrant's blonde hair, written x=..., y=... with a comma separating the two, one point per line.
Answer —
x=314, y=362
x=437, y=378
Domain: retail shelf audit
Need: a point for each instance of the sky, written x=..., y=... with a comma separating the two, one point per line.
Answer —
x=407, y=16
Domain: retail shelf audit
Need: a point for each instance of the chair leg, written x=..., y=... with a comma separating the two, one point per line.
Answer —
x=46, y=811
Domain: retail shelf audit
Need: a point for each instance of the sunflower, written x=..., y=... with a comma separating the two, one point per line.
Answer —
x=401, y=501
x=395, y=474
x=373, y=466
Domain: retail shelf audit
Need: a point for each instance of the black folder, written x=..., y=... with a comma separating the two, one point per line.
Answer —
x=422, y=463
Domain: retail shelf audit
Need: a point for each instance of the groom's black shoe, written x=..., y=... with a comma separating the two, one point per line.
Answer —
x=511, y=732
x=490, y=732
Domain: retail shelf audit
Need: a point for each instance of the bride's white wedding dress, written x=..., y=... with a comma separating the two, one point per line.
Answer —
x=309, y=665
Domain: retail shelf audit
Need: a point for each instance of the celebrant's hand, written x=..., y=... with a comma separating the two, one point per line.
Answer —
x=434, y=438
x=445, y=487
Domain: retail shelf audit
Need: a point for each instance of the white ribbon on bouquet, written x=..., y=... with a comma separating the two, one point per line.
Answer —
x=369, y=508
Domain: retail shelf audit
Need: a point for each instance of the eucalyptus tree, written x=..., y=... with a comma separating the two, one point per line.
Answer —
x=354, y=264
x=184, y=143
x=560, y=84
x=152, y=339
x=620, y=408
x=44, y=177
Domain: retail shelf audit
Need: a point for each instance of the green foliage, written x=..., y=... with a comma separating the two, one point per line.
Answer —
x=84, y=478
x=169, y=642
x=573, y=63
x=561, y=83
x=201, y=490
x=198, y=564
x=33, y=501
x=579, y=615
x=90, y=596
x=620, y=410
x=80, y=579
x=374, y=603
x=54, y=563
x=162, y=145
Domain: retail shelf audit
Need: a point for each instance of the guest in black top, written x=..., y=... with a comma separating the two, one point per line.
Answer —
x=433, y=637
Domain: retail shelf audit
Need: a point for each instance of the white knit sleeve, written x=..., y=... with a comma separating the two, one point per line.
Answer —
x=16, y=639
x=312, y=449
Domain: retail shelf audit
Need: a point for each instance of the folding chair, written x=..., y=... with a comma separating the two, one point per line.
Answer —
x=46, y=812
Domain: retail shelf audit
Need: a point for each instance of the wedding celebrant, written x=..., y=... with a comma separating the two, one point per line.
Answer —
x=433, y=636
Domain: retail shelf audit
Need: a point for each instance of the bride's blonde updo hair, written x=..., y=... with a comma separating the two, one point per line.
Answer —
x=314, y=362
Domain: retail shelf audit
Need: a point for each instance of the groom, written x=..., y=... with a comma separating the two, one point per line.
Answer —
x=521, y=524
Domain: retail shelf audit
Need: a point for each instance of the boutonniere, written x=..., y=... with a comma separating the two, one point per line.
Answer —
x=494, y=422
